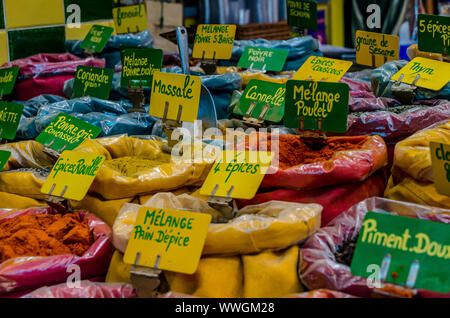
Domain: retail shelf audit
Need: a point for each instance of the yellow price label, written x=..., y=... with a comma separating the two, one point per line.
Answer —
x=72, y=175
x=375, y=49
x=214, y=41
x=179, y=94
x=440, y=161
x=426, y=73
x=237, y=174
x=167, y=239
x=130, y=19
x=317, y=68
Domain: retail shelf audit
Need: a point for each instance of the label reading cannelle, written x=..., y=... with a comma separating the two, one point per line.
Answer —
x=10, y=114
x=440, y=159
x=72, y=175
x=375, y=49
x=139, y=65
x=8, y=78
x=214, y=41
x=426, y=73
x=166, y=239
x=67, y=132
x=97, y=38
x=317, y=68
x=412, y=244
x=180, y=92
x=302, y=14
x=316, y=106
x=93, y=81
x=237, y=174
x=260, y=58
x=130, y=19
x=4, y=157
x=433, y=33
x=263, y=94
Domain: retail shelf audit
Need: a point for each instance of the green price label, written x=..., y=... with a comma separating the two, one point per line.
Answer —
x=8, y=78
x=4, y=157
x=434, y=33
x=416, y=252
x=139, y=65
x=261, y=97
x=10, y=114
x=302, y=14
x=316, y=106
x=97, y=38
x=93, y=81
x=66, y=133
x=260, y=58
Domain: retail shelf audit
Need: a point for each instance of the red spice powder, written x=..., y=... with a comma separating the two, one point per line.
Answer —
x=44, y=235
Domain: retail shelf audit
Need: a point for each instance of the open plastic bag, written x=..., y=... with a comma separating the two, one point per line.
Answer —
x=318, y=265
x=26, y=273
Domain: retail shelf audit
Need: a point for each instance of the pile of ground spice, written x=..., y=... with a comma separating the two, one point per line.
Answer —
x=293, y=152
x=133, y=166
x=44, y=235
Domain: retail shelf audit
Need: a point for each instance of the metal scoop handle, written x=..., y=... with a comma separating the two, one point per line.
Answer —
x=182, y=39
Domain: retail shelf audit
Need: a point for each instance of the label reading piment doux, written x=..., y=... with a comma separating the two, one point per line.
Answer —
x=4, y=157
x=130, y=19
x=426, y=73
x=425, y=245
x=214, y=41
x=8, y=78
x=10, y=114
x=317, y=68
x=440, y=159
x=314, y=105
x=72, y=175
x=139, y=65
x=260, y=58
x=67, y=132
x=93, y=81
x=97, y=38
x=167, y=239
x=237, y=174
x=302, y=14
x=375, y=49
x=175, y=90
x=262, y=93
x=433, y=33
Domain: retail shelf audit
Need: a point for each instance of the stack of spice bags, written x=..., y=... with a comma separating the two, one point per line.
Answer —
x=412, y=176
x=253, y=253
x=345, y=171
x=132, y=168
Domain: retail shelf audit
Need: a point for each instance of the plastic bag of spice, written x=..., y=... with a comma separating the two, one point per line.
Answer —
x=86, y=289
x=326, y=256
x=46, y=73
x=296, y=165
x=38, y=246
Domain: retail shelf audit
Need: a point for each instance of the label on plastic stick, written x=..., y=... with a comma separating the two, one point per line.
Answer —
x=93, y=81
x=237, y=174
x=130, y=19
x=4, y=157
x=97, y=38
x=433, y=33
x=317, y=68
x=214, y=41
x=8, y=78
x=72, y=175
x=302, y=14
x=10, y=114
x=181, y=94
x=440, y=159
x=167, y=239
x=139, y=65
x=375, y=49
x=66, y=133
x=260, y=58
x=426, y=73
x=409, y=251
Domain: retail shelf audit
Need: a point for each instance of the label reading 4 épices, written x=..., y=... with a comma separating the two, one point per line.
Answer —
x=167, y=239
x=317, y=68
x=97, y=38
x=260, y=58
x=130, y=19
x=10, y=114
x=214, y=41
x=139, y=65
x=375, y=49
x=93, y=81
